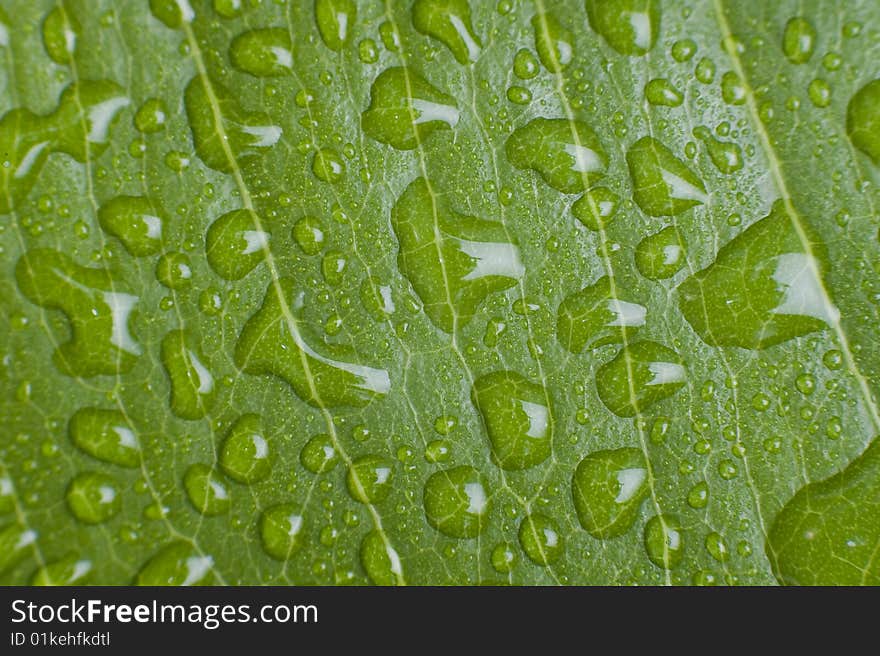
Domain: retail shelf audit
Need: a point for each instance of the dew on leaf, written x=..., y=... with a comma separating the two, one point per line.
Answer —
x=380, y=560
x=336, y=19
x=448, y=21
x=136, y=221
x=70, y=570
x=630, y=27
x=174, y=270
x=457, y=503
x=206, y=491
x=608, y=487
x=525, y=64
x=93, y=497
x=798, y=40
x=245, y=455
x=660, y=91
x=596, y=208
x=553, y=41
x=263, y=53
x=192, y=384
x=236, y=243
x=151, y=116
x=863, y=120
x=281, y=531
x=61, y=30
x=370, y=479
x=639, y=376
x=178, y=564
x=106, y=435
x=663, y=539
x=661, y=255
x=662, y=184
x=596, y=316
x=540, y=539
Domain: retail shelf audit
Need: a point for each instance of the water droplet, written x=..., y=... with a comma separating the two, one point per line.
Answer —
x=151, y=117
x=798, y=40
x=540, y=539
x=503, y=557
x=863, y=120
x=684, y=50
x=173, y=13
x=663, y=541
x=608, y=487
x=727, y=469
x=519, y=95
x=705, y=70
x=105, y=435
x=228, y=8
x=761, y=290
x=206, y=490
x=275, y=341
x=177, y=564
x=662, y=254
x=596, y=208
x=319, y=454
x=438, y=451
x=448, y=21
x=136, y=221
x=328, y=165
x=732, y=89
x=806, y=384
x=717, y=547
x=452, y=261
x=662, y=184
x=99, y=315
x=281, y=531
x=245, y=455
x=629, y=26
x=554, y=43
x=833, y=359
x=456, y=502
x=517, y=418
x=174, y=271
x=405, y=109
x=336, y=20
x=229, y=137
x=369, y=479
x=566, y=154
x=70, y=570
x=93, y=497
x=380, y=560
x=309, y=234
x=661, y=92
x=14, y=543
x=525, y=64
x=192, y=385
x=596, y=316
x=263, y=53
x=819, y=92
x=639, y=376
x=698, y=495
x=236, y=243
x=333, y=267
x=725, y=155
x=61, y=30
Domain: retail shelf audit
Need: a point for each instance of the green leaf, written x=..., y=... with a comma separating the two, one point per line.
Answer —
x=439, y=292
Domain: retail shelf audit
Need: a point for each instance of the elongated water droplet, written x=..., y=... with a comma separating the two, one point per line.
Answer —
x=15, y=542
x=629, y=26
x=70, y=570
x=663, y=541
x=236, y=243
x=151, y=117
x=177, y=564
x=309, y=234
x=336, y=21
x=594, y=317
x=192, y=384
x=554, y=42
x=608, y=487
x=405, y=109
x=799, y=40
x=661, y=92
x=245, y=456
x=566, y=154
x=448, y=21
x=457, y=502
x=99, y=314
x=725, y=155
x=263, y=53
x=61, y=30
x=174, y=13
x=452, y=261
x=106, y=435
x=639, y=376
x=517, y=418
x=282, y=531
x=762, y=289
x=274, y=341
x=662, y=184
x=380, y=560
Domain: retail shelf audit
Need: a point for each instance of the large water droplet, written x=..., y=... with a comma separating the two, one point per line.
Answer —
x=594, y=317
x=596, y=208
x=452, y=261
x=61, y=30
x=448, y=21
x=275, y=341
x=282, y=531
x=405, y=109
x=456, y=502
x=263, y=53
x=863, y=120
x=828, y=533
x=553, y=41
x=662, y=184
x=380, y=560
x=105, y=435
x=206, y=490
x=566, y=154
x=761, y=290
x=608, y=487
x=99, y=314
x=517, y=418
x=93, y=497
x=177, y=564
x=192, y=385
x=663, y=541
x=245, y=455
x=629, y=26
